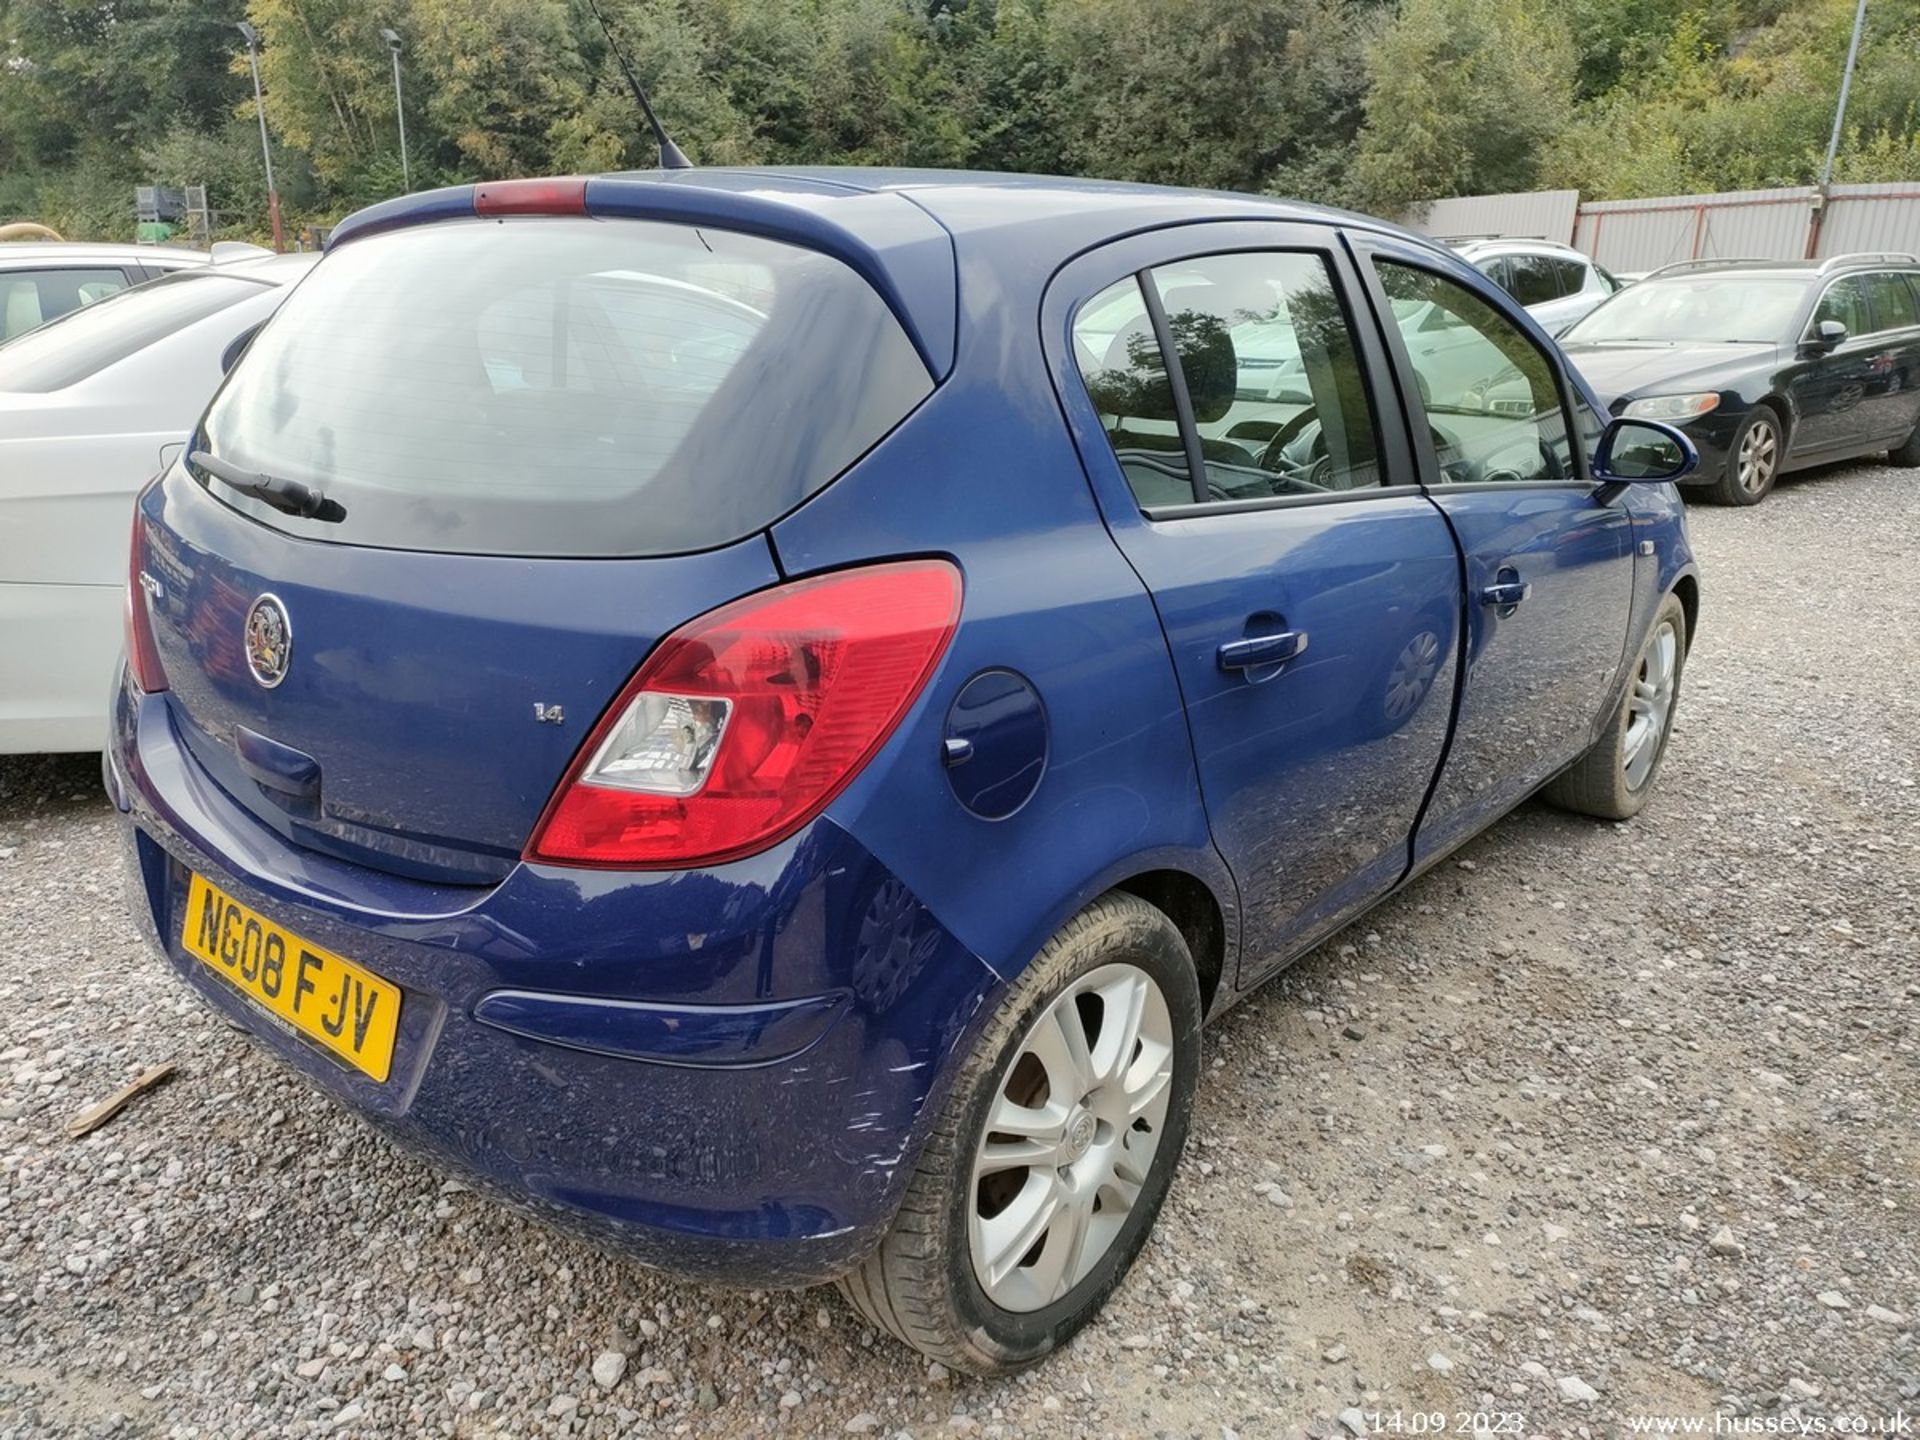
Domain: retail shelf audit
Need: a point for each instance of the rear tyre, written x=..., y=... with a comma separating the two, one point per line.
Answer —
x=1908, y=454
x=1053, y=1153
x=1613, y=779
x=1753, y=460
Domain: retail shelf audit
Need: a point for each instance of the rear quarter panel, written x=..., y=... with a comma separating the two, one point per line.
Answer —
x=986, y=473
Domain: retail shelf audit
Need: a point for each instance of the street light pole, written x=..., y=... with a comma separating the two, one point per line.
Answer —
x=1846, y=84
x=266, y=153
x=399, y=106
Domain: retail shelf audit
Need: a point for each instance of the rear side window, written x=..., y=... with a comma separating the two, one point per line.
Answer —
x=1270, y=374
x=1893, y=302
x=87, y=341
x=33, y=297
x=564, y=387
x=1536, y=278
x=1570, y=275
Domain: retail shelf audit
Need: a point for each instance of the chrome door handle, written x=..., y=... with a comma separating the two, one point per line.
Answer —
x=1506, y=594
x=1261, y=650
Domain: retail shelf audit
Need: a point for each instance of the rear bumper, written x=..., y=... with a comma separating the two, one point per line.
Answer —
x=726, y=1073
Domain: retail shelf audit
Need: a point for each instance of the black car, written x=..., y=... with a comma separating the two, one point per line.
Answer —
x=1767, y=365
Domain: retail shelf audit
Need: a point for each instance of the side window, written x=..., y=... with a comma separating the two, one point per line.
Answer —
x=1494, y=267
x=1492, y=404
x=1893, y=301
x=32, y=297
x=1535, y=279
x=1846, y=301
x=1126, y=375
x=1270, y=370
x=1570, y=275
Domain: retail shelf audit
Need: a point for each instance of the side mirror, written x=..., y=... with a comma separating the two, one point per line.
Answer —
x=1642, y=452
x=1827, y=335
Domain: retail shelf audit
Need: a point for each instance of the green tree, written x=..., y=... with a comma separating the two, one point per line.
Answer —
x=1229, y=94
x=1462, y=98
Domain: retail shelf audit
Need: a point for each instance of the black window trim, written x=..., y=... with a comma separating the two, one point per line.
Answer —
x=1368, y=251
x=1331, y=256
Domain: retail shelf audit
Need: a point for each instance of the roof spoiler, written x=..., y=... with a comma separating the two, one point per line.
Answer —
x=891, y=243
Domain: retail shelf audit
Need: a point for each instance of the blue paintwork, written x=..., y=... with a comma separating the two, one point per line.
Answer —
x=999, y=724
x=731, y=1070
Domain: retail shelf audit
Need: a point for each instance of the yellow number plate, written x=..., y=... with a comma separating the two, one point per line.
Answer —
x=348, y=1010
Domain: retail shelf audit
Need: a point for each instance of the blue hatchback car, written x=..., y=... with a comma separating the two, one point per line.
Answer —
x=758, y=712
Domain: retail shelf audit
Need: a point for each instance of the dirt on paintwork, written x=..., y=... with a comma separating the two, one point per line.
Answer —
x=1594, y=1124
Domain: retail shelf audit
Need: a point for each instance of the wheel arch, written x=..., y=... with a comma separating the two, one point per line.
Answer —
x=1188, y=901
x=1687, y=587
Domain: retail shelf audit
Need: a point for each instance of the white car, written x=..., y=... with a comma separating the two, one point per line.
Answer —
x=1556, y=283
x=92, y=406
x=41, y=280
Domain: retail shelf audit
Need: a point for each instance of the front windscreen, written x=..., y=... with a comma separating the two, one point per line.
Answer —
x=1700, y=309
x=561, y=386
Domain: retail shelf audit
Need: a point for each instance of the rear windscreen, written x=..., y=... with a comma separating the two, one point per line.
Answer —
x=82, y=343
x=564, y=387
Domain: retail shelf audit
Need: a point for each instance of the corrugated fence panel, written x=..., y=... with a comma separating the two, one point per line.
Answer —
x=1872, y=217
x=1635, y=235
x=1538, y=215
x=1645, y=234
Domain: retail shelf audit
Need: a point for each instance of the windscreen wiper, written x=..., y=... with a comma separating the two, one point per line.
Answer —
x=289, y=497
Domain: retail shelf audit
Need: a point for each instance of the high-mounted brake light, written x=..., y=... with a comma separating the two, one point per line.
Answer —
x=744, y=724
x=143, y=655
x=565, y=196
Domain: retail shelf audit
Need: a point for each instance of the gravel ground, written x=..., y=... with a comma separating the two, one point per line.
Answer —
x=1629, y=1128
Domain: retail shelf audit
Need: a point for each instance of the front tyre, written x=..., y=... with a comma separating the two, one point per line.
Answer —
x=1614, y=778
x=1053, y=1153
x=1753, y=460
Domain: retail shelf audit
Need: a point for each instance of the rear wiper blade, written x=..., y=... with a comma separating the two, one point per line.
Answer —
x=289, y=497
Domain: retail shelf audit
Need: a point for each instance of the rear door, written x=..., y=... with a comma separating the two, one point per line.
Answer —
x=1258, y=480
x=1893, y=400
x=1548, y=557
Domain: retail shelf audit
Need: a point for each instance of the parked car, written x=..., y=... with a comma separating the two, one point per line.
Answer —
x=1557, y=283
x=756, y=712
x=1768, y=365
x=41, y=280
x=92, y=406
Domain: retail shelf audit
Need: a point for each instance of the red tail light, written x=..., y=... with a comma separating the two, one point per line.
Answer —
x=744, y=724
x=143, y=656
x=564, y=196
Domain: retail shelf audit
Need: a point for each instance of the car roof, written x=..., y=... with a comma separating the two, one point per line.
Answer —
x=1789, y=269
x=1511, y=245
x=35, y=254
x=274, y=269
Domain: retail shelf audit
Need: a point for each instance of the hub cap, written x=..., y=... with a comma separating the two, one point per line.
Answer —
x=1651, y=705
x=1070, y=1138
x=1759, y=453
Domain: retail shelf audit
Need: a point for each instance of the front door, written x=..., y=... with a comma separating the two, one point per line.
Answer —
x=1309, y=592
x=1549, y=556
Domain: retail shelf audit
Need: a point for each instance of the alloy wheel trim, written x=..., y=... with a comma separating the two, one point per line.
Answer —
x=1650, y=705
x=1070, y=1138
x=1759, y=453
